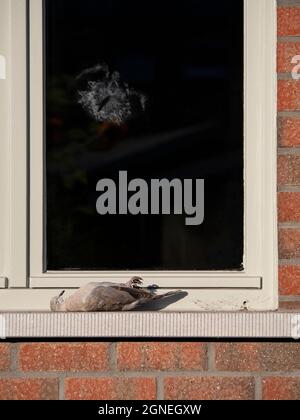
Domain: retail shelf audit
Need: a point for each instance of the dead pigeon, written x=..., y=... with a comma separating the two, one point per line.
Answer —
x=108, y=297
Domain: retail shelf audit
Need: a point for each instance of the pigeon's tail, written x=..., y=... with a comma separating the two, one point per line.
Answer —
x=142, y=301
x=167, y=295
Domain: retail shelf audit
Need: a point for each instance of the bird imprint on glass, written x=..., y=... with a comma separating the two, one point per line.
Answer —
x=106, y=98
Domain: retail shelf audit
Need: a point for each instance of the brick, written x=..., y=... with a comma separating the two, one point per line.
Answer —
x=28, y=389
x=288, y=95
x=69, y=357
x=280, y=388
x=110, y=389
x=289, y=280
x=161, y=356
x=288, y=19
x=209, y=388
x=289, y=169
x=4, y=357
x=256, y=357
x=283, y=357
x=291, y=305
x=289, y=131
x=289, y=207
x=130, y=356
x=285, y=53
x=192, y=356
x=289, y=243
x=237, y=357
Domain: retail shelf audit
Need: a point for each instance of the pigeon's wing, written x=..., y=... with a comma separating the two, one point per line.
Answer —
x=135, y=292
x=116, y=294
x=95, y=297
x=108, y=299
x=153, y=297
x=142, y=296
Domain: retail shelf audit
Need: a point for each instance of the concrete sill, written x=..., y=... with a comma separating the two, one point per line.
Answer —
x=281, y=324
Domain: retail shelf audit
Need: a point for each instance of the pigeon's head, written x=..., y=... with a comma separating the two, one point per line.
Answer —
x=56, y=303
x=136, y=282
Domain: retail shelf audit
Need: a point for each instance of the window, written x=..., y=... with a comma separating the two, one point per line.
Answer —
x=182, y=120
x=139, y=140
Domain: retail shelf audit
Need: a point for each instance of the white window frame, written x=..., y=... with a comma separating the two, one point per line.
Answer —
x=23, y=283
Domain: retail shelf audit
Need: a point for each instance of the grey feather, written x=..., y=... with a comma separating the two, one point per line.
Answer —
x=107, y=297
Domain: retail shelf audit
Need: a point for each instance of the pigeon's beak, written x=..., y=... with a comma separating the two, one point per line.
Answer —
x=60, y=299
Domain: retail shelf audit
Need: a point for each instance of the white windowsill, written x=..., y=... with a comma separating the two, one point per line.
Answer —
x=150, y=324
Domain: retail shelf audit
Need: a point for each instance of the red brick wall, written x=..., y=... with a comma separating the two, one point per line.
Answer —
x=188, y=370
x=288, y=153
x=150, y=370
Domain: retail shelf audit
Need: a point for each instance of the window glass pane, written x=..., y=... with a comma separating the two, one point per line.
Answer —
x=138, y=92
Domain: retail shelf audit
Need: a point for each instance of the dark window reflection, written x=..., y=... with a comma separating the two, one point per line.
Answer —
x=186, y=59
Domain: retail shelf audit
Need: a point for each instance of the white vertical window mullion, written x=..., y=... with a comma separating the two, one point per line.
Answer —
x=36, y=136
x=17, y=191
x=4, y=131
